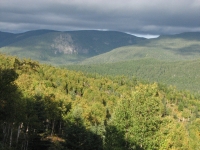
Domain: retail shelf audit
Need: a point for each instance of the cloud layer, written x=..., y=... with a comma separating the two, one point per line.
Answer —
x=141, y=17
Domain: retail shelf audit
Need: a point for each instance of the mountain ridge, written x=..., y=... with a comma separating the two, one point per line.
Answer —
x=184, y=35
x=49, y=45
x=94, y=46
x=169, y=48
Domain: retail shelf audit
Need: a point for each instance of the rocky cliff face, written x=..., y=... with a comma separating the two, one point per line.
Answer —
x=64, y=44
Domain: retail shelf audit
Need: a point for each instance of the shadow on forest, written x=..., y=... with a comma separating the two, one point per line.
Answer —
x=28, y=129
x=77, y=137
x=116, y=140
x=189, y=50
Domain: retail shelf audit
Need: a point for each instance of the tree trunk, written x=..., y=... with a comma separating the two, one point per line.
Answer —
x=52, y=129
x=26, y=138
x=11, y=132
x=26, y=145
x=18, y=132
x=60, y=128
x=4, y=133
x=47, y=125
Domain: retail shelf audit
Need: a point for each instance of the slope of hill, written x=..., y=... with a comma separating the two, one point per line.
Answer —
x=62, y=109
x=11, y=38
x=4, y=36
x=63, y=47
x=185, y=46
x=185, y=35
x=182, y=74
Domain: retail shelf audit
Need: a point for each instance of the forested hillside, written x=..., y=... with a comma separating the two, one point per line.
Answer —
x=182, y=74
x=44, y=107
x=178, y=47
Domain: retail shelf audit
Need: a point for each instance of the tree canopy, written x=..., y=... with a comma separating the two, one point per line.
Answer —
x=45, y=107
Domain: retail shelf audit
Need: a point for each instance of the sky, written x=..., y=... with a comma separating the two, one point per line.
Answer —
x=139, y=17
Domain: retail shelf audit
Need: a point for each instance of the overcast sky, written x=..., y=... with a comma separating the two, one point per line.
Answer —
x=149, y=17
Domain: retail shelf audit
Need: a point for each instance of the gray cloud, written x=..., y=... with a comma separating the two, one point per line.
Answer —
x=142, y=16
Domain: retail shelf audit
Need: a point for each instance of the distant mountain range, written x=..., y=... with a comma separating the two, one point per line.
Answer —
x=57, y=47
x=92, y=46
x=184, y=46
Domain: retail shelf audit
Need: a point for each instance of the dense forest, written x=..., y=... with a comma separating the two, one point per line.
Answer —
x=182, y=74
x=49, y=108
